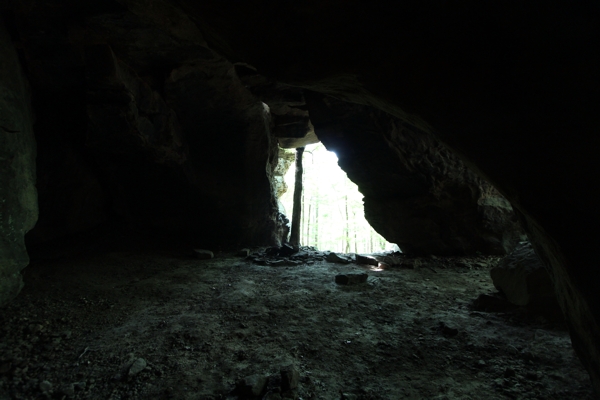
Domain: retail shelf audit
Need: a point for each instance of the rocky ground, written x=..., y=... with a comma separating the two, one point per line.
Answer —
x=155, y=324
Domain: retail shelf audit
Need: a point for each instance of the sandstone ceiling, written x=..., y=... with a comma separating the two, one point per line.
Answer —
x=141, y=104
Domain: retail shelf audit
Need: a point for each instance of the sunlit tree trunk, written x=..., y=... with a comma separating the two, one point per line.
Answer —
x=355, y=229
x=307, y=223
x=297, y=212
x=303, y=219
x=316, y=224
x=347, y=231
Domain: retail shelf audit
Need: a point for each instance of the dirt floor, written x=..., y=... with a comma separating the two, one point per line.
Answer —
x=132, y=324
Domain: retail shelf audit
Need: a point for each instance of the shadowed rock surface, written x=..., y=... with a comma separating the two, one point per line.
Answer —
x=437, y=204
x=523, y=278
x=18, y=204
x=513, y=91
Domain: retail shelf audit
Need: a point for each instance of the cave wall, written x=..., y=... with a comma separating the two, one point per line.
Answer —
x=141, y=126
x=417, y=193
x=18, y=203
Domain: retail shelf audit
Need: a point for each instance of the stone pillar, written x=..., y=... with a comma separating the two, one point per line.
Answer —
x=18, y=197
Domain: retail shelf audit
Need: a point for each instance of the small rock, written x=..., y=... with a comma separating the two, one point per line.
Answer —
x=243, y=253
x=45, y=386
x=448, y=331
x=252, y=386
x=287, y=250
x=68, y=390
x=480, y=363
x=290, y=378
x=499, y=382
x=366, y=260
x=80, y=385
x=303, y=255
x=137, y=366
x=351, y=279
x=203, y=254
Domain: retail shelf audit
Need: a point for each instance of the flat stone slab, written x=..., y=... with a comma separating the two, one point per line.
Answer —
x=366, y=260
x=334, y=258
x=351, y=279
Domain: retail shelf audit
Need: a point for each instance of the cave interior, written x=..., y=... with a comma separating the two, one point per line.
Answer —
x=135, y=131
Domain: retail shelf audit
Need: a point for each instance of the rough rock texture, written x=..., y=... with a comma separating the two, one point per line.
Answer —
x=125, y=115
x=18, y=200
x=417, y=193
x=512, y=90
x=284, y=162
x=291, y=122
x=232, y=153
x=523, y=278
x=143, y=125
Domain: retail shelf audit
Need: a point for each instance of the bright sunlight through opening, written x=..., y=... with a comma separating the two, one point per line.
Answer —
x=332, y=207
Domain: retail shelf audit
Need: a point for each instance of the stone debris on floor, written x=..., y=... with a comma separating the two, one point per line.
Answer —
x=159, y=327
x=287, y=255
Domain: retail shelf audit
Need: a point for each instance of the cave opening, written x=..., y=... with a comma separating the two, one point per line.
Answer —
x=332, y=207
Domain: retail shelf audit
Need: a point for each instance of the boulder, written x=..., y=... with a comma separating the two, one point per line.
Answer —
x=251, y=387
x=523, y=277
